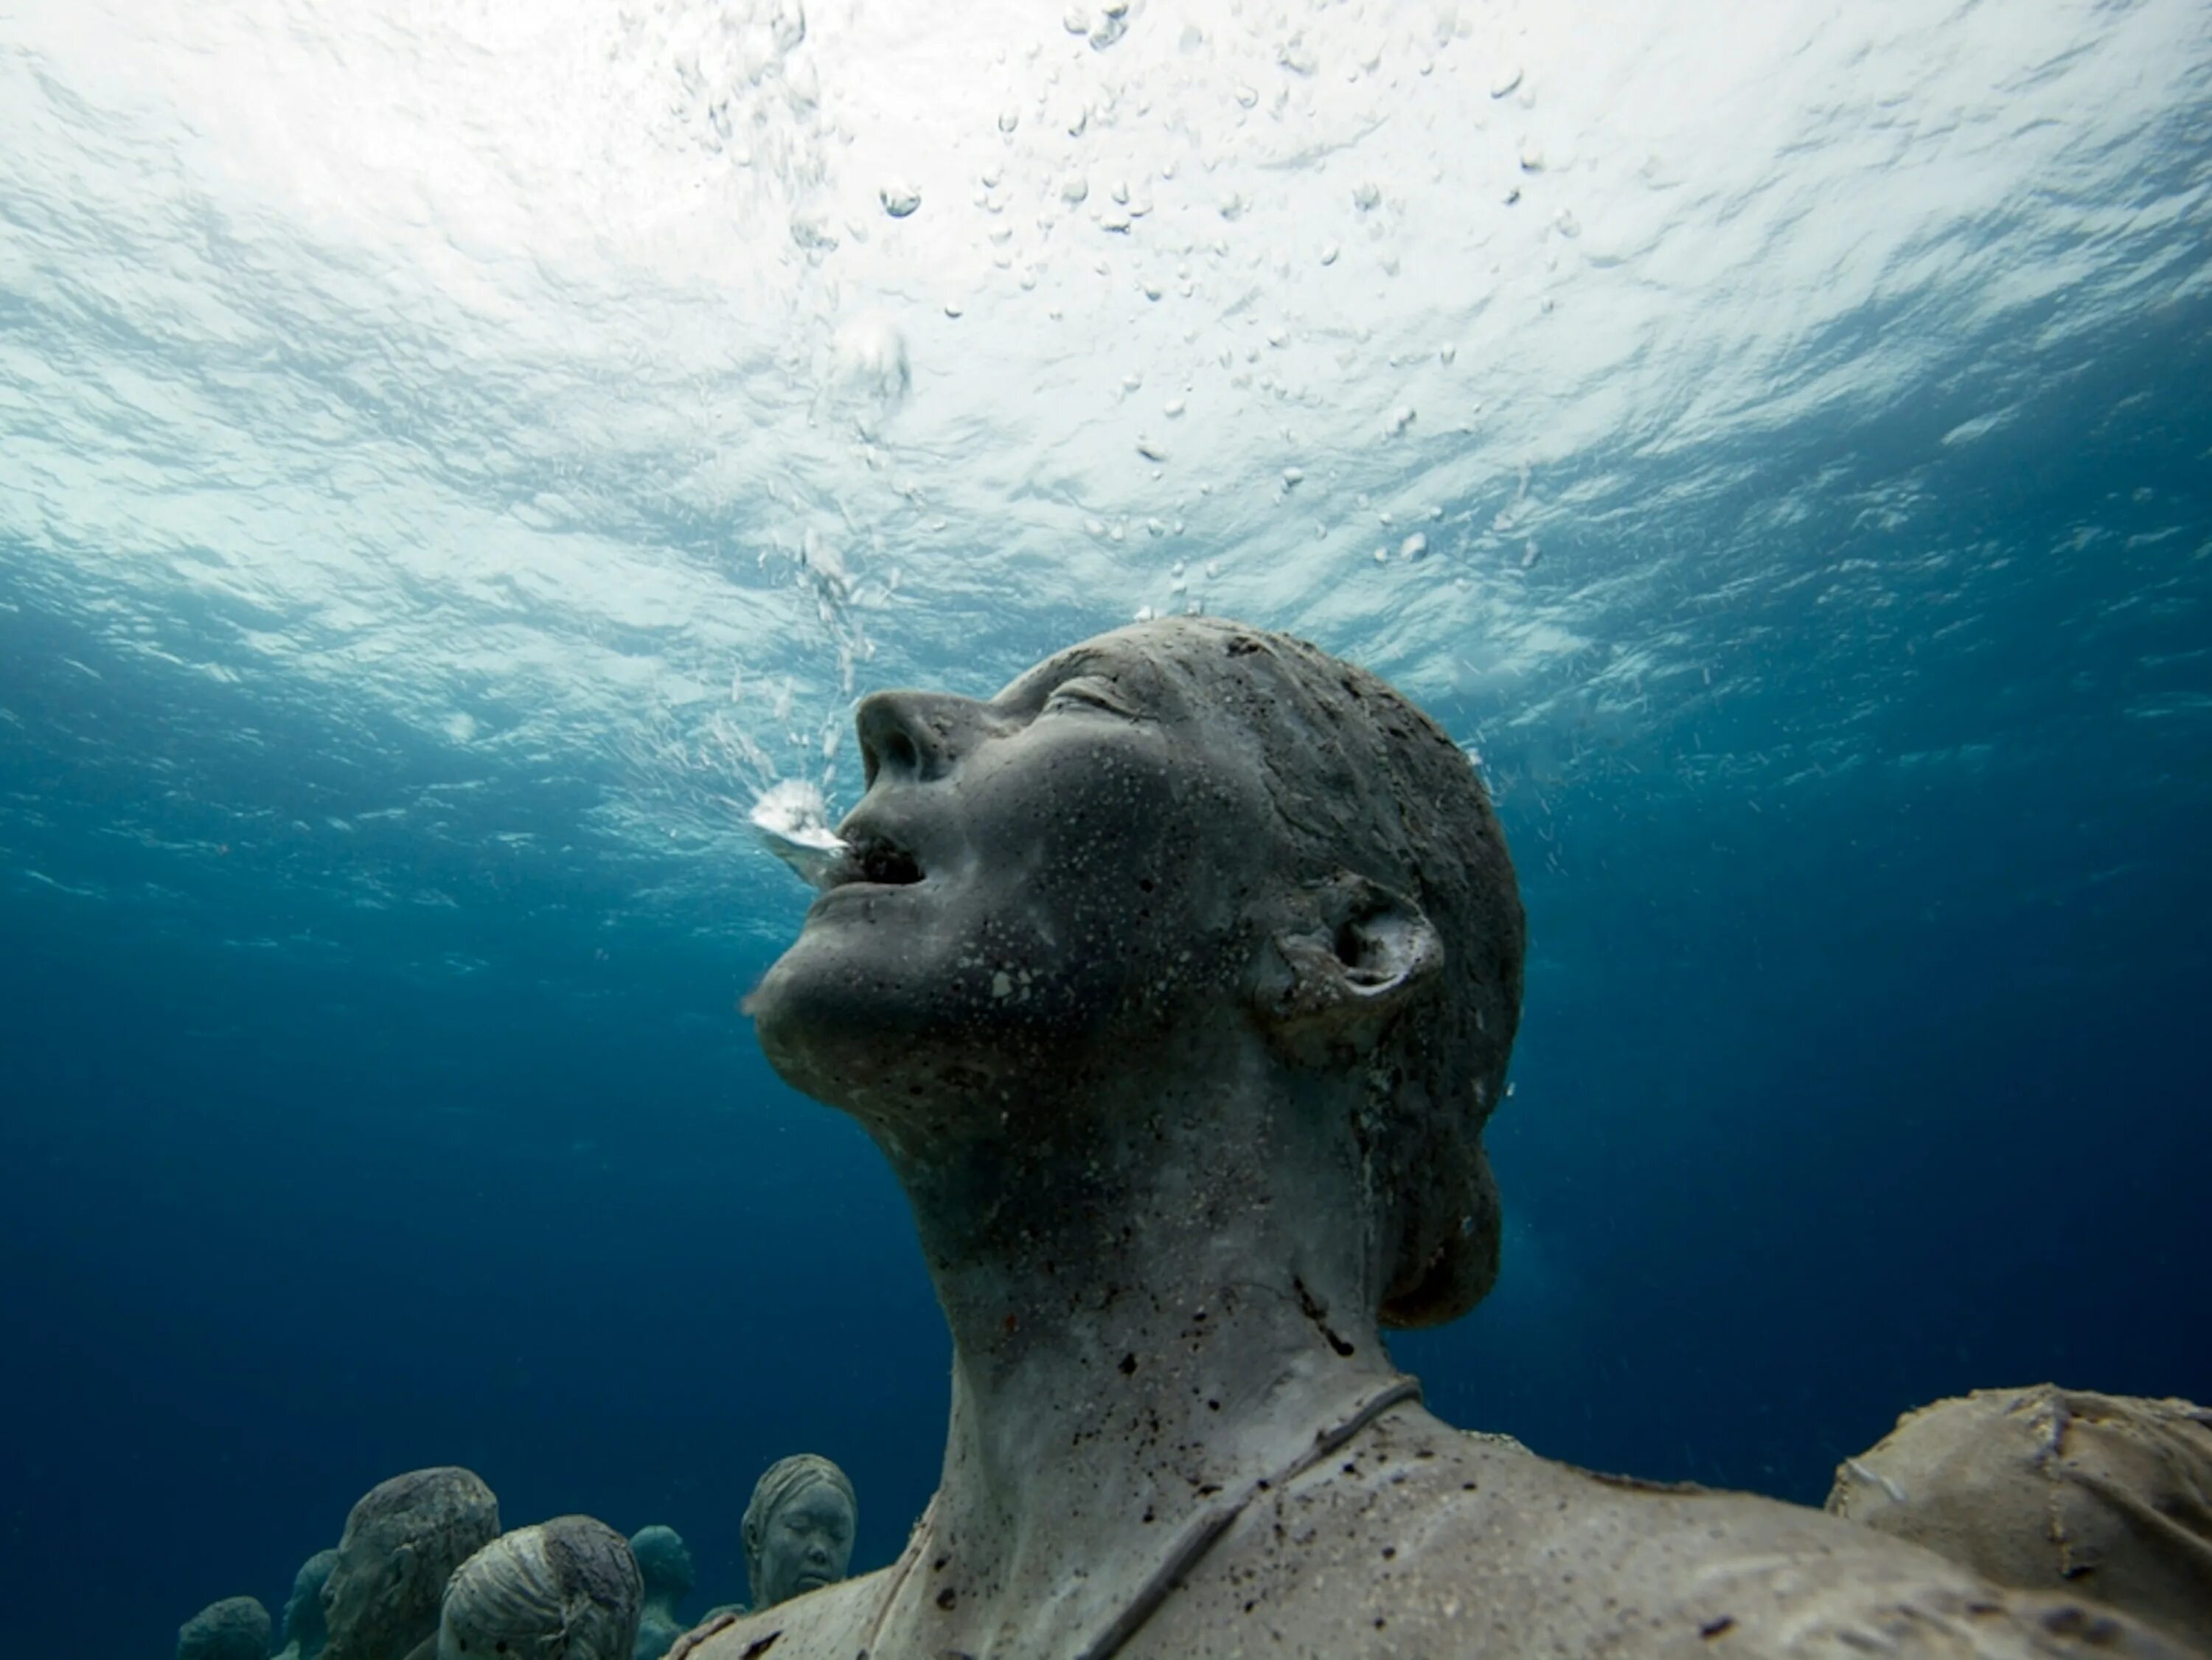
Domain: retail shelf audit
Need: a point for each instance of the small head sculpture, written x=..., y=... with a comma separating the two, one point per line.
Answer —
x=664, y=1561
x=305, y=1631
x=402, y=1542
x=798, y=1530
x=563, y=1588
x=236, y=1628
x=1170, y=831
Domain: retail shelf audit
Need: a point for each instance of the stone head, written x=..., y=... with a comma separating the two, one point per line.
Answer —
x=563, y=1589
x=665, y=1561
x=304, y=1631
x=797, y=1529
x=1180, y=832
x=236, y=1628
x=402, y=1542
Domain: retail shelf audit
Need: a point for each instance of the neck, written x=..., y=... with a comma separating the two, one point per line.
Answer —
x=1158, y=1293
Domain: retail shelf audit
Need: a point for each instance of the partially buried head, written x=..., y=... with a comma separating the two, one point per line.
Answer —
x=1165, y=836
x=403, y=1539
x=564, y=1589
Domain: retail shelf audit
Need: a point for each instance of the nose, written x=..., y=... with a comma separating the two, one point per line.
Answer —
x=914, y=736
x=817, y=1553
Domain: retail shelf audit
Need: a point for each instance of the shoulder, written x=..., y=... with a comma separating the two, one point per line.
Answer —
x=830, y=1622
x=1420, y=1539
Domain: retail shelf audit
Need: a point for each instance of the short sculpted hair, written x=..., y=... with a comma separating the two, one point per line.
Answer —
x=570, y=1583
x=1364, y=783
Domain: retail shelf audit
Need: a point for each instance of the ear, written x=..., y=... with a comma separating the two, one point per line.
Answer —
x=1362, y=953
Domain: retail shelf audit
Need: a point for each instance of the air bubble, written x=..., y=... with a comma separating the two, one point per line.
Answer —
x=1074, y=191
x=1175, y=407
x=1505, y=80
x=1113, y=24
x=1400, y=418
x=1413, y=546
x=1367, y=196
x=1293, y=476
x=1531, y=157
x=899, y=198
x=1329, y=252
x=1008, y=118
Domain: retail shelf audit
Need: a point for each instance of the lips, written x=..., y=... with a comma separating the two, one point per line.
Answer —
x=874, y=858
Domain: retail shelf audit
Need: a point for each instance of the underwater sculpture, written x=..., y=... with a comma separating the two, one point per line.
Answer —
x=1176, y=983
x=304, y=1631
x=664, y=1563
x=403, y=1540
x=797, y=1528
x=236, y=1628
x=563, y=1589
x=2048, y=1488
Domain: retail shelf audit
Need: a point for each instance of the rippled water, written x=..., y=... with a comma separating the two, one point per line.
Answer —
x=545, y=398
x=453, y=455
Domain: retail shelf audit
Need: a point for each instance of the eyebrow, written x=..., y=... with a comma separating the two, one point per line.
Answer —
x=1039, y=682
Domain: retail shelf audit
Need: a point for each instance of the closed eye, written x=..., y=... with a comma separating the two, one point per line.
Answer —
x=1089, y=692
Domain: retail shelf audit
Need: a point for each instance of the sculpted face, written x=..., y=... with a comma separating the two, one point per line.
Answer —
x=371, y=1585
x=807, y=1544
x=1037, y=878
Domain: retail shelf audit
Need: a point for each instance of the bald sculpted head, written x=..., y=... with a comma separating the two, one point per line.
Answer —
x=1149, y=837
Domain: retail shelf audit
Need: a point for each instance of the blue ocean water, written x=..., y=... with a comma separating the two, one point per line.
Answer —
x=423, y=526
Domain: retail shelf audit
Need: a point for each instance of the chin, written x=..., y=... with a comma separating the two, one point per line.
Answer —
x=851, y=1033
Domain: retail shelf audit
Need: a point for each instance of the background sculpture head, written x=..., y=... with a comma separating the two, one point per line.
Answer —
x=236, y=1628
x=305, y=1630
x=402, y=1542
x=665, y=1561
x=565, y=1588
x=1172, y=823
x=799, y=1528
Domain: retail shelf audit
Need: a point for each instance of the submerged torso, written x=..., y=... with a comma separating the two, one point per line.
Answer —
x=1417, y=1539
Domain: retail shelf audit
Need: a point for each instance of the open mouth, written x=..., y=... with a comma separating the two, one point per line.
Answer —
x=879, y=860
